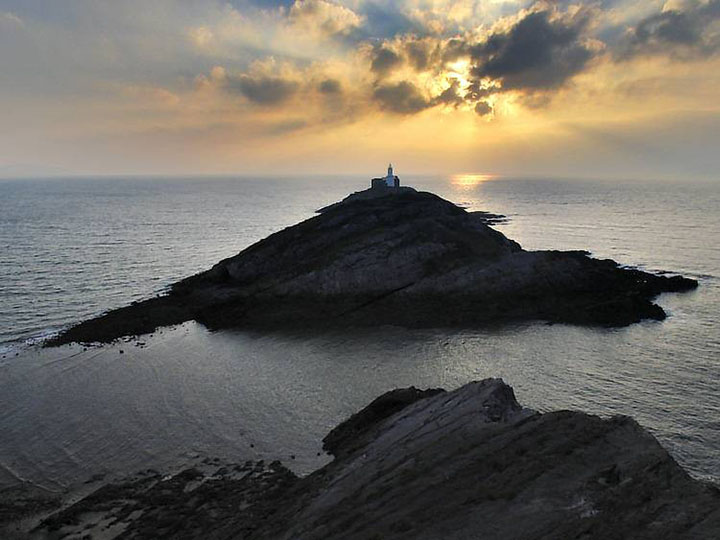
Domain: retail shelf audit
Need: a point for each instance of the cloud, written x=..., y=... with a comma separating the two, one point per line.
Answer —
x=152, y=95
x=201, y=36
x=337, y=69
x=483, y=109
x=451, y=95
x=326, y=18
x=9, y=18
x=454, y=49
x=680, y=30
x=263, y=89
x=384, y=60
x=330, y=86
x=285, y=126
x=386, y=21
x=419, y=54
x=540, y=51
x=401, y=98
x=531, y=53
x=477, y=90
x=670, y=27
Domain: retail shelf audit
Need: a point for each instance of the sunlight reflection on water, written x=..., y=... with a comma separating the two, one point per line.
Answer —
x=469, y=181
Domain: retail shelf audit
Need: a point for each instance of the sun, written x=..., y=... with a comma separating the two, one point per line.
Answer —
x=459, y=70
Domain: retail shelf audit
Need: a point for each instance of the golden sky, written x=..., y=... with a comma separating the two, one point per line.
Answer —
x=602, y=88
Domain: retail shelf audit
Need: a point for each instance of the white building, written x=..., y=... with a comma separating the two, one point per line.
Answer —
x=390, y=180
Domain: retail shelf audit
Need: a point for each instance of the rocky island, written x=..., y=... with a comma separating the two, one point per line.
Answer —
x=470, y=463
x=393, y=257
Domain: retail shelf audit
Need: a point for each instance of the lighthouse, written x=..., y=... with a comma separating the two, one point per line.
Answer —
x=389, y=181
x=390, y=178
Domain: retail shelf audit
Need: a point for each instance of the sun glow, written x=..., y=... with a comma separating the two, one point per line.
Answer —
x=459, y=67
x=459, y=70
x=470, y=180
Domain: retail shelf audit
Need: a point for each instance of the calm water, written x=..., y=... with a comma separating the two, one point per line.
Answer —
x=74, y=248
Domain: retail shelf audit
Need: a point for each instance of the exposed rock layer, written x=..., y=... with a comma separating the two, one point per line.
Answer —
x=398, y=257
x=471, y=463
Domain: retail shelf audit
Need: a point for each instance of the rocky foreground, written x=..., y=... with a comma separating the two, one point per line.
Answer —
x=471, y=463
x=397, y=257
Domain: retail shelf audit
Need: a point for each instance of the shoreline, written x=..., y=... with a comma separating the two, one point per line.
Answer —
x=388, y=455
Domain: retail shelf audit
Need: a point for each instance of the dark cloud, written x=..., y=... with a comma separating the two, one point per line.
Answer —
x=534, y=56
x=386, y=21
x=263, y=90
x=384, y=60
x=477, y=91
x=450, y=96
x=330, y=86
x=539, y=52
x=454, y=49
x=670, y=27
x=483, y=109
x=674, y=33
x=401, y=98
x=418, y=53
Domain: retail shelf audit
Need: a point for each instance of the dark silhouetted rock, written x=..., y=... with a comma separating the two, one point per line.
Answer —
x=393, y=257
x=357, y=430
x=471, y=463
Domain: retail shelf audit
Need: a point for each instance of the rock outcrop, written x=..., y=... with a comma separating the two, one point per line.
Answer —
x=398, y=257
x=471, y=463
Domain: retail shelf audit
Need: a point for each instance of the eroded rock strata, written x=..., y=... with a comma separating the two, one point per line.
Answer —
x=401, y=258
x=471, y=463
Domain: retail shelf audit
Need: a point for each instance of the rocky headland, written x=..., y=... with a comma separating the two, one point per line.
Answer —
x=393, y=257
x=470, y=463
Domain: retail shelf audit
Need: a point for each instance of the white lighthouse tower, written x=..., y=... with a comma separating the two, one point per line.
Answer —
x=390, y=178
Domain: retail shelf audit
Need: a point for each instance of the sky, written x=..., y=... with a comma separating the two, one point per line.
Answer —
x=601, y=88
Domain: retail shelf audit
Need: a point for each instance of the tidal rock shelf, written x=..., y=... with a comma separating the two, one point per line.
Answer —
x=393, y=257
x=470, y=463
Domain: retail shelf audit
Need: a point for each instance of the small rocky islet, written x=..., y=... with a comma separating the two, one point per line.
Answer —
x=393, y=256
x=414, y=464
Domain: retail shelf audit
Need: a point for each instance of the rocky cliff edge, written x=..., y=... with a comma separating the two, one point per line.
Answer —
x=471, y=463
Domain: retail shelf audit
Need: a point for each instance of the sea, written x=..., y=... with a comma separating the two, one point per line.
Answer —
x=72, y=248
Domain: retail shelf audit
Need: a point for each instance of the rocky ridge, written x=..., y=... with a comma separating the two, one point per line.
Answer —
x=397, y=257
x=470, y=463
